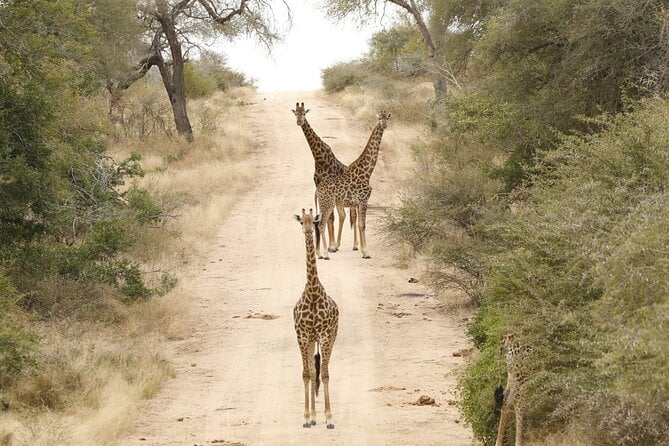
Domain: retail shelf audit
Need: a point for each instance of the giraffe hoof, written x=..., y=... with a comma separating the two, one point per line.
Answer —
x=330, y=426
x=326, y=258
x=332, y=249
x=355, y=248
x=313, y=422
x=367, y=257
x=307, y=425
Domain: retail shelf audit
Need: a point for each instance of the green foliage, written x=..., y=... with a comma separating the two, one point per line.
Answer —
x=476, y=388
x=583, y=279
x=197, y=85
x=16, y=344
x=396, y=52
x=215, y=66
x=210, y=73
x=24, y=161
x=118, y=43
x=344, y=74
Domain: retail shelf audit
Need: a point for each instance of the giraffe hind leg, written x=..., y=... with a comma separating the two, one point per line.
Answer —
x=326, y=351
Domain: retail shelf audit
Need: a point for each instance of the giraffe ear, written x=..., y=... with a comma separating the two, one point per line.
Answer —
x=388, y=116
x=317, y=219
x=298, y=218
x=307, y=111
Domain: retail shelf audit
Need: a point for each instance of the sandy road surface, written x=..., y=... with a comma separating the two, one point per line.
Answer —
x=239, y=377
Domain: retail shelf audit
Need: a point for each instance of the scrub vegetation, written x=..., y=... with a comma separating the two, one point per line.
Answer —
x=540, y=194
x=102, y=206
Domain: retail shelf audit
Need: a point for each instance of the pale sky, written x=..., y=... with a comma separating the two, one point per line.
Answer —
x=313, y=43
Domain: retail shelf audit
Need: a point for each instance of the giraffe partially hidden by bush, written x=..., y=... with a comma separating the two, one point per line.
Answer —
x=513, y=396
x=316, y=321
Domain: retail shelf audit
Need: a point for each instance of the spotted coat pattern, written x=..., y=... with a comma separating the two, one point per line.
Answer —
x=352, y=188
x=316, y=321
x=326, y=165
x=513, y=395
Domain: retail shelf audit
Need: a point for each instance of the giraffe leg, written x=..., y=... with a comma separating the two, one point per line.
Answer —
x=342, y=216
x=519, y=425
x=312, y=378
x=361, y=225
x=332, y=247
x=326, y=216
x=326, y=350
x=504, y=415
x=354, y=225
x=306, y=378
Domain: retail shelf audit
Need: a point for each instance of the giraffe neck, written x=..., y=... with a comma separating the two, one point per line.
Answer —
x=321, y=151
x=312, y=271
x=367, y=159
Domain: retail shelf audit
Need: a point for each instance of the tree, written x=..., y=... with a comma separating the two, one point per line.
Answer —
x=366, y=8
x=175, y=28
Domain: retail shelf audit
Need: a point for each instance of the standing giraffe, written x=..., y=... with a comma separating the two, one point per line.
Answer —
x=316, y=320
x=513, y=397
x=352, y=189
x=326, y=165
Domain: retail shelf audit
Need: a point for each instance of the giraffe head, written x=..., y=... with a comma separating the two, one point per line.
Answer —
x=308, y=221
x=506, y=341
x=300, y=113
x=383, y=118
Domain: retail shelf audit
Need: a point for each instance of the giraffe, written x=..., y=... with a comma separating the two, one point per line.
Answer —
x=316, y=320
x=513, y=397
x=352, y=189
x=326, y=165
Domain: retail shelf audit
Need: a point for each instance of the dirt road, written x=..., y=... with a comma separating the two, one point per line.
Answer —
x=239, y=378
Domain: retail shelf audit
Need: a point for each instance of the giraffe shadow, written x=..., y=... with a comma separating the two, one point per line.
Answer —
x=412, y=295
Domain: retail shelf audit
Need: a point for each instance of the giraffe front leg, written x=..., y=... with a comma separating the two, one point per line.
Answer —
x=362, y=218
x=504, y=415
x=306, y=378
x=354, y=226
x=519, y=425
x=331, y=246
x=342, y=216
x=321, y=226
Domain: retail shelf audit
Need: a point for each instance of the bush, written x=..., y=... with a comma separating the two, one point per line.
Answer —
x=197, y=84
x=580, y=274
x=16, y=344
x=344, y=74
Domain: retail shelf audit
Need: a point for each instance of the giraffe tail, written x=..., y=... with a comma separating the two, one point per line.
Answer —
x=499, y=399
x=317, y=362
x=317, y=229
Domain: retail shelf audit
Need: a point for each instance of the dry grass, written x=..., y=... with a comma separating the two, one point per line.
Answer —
x=94, y=375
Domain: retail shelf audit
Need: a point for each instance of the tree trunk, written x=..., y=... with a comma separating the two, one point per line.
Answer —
x=438, y=80
x=173, y=78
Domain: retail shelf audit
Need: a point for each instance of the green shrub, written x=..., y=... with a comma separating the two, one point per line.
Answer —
x=16, y=344
x=197, y=84
x=341, y=75
x=580, y=273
